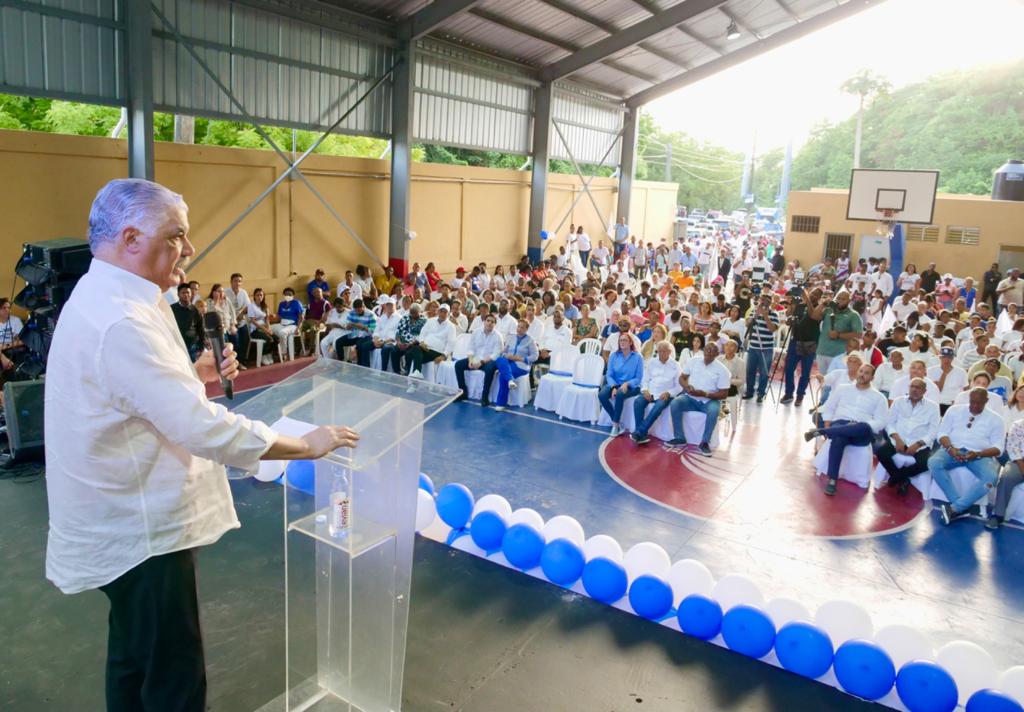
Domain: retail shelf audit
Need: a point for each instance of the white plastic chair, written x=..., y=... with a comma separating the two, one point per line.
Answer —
x=579, y=399
x=589, y=346
x=558, y=377
x=446, y=371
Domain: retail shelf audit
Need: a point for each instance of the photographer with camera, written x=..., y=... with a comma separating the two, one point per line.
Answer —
x=762, y=323
x=805, y=312
x=838, y=324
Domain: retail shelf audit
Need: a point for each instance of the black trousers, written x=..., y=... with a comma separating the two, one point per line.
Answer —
x=462, y=365
x=899, y=475
x=155, y=646
x=418, y=354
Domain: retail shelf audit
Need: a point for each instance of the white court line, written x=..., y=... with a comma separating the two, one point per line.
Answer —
x=521, y=412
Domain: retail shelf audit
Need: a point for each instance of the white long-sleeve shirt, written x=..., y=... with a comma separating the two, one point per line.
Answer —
x=661, y=377
x=506, y=326
x=883, y=281
x=987, y=429
x=387, y=327
x=956, y=381
x=135, y=452
x=555, y=337
x=914, y=423
x=885, y=376
x=901, y=388
x=438, y=336
x=485, y=346
x=848, y=402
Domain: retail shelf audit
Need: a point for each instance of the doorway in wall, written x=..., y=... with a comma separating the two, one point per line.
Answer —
x=1010, y=256
x=873, y=246
x=836, y=243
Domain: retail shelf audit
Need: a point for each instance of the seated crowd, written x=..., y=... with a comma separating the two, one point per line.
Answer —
x=921, y=366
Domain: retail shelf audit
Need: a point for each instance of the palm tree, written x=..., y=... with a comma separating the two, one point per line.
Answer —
x=864, y=84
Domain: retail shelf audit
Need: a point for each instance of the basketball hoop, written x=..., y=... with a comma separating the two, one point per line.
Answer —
x=887, y=225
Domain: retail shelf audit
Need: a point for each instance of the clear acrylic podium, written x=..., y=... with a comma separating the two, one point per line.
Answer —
x=347, y=596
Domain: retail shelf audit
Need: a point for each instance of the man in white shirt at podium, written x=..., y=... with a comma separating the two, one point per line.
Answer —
x=135, y=453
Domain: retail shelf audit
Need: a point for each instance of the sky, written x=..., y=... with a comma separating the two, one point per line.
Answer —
x=905, y=40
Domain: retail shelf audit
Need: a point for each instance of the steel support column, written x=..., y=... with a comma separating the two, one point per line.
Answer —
x=401, y=159
x=627, y=161
x=542, y=97
x=138, y=69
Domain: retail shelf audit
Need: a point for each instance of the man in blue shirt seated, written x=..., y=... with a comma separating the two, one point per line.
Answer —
x=519, y=354
x=289, y=311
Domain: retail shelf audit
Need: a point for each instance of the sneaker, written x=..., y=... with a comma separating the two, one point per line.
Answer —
x=461, y=397
x=484, y=402
x=993, y=523
x=955, y=515
x=615, y=431
x=760, y=399
x=786, y=399
x=704, y=450
x=641, y=439
x=677, y=442
x=799, y=401
x=512, y=386
x=904, y=487
x=830, y=488
x=268, y=360
x=241, y=367
x=748, y=396
x=499, y=408
x=946, y=513
x=415, y=374
x=810, y=435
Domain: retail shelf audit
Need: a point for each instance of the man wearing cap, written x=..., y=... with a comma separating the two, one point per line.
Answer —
x=992, y=364
x=910, y=431
x=970, y=436
x=435, y=342
x=459, y=280
x=1011, y=289
x=384, y=333
x=852, y=415
x=949, y=378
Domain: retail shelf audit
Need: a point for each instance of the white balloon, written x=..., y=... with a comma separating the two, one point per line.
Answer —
x=970, y=665
x=688, y=577
x=270, y=470
x=785, y=610
x=904, y=643
x=493, y=503
x=602, y=545
x=564, y=527
x=426, y=509
x=843, y=621
x=437, y=530
x=734, y=589
x=1012, y=683
x=646, y=558
x=526, y=516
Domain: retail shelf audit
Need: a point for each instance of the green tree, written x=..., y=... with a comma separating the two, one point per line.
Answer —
x=864, y=84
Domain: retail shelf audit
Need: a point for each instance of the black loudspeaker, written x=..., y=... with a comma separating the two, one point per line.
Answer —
x=23, y=410
x=64, y=255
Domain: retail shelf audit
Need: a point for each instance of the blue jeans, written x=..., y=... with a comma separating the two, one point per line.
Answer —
x=759, y=363
x=792, y=361
x=984, y=469
x=507, y=371
x=584, y=256
x=842, y=433
x=642, y=423
x=684, y=403
x=614, y=409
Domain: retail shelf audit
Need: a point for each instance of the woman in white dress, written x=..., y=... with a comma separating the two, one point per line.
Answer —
x=573, y=247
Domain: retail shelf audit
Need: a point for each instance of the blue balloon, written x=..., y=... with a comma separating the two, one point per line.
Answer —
x=426, y=484
x=992, y=701
x=544, y=234
x=301, y=474
x=923, y=686
x=749, y=631
x=487, y=530
x=804, y=649
x=864, y=669
x=455, y=505
x=604, y=580
x=700, y=616
x=650, y=596
x=562, y=562
x=522, y=546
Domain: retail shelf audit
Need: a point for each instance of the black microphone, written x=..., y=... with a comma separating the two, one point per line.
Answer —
x=215, y=333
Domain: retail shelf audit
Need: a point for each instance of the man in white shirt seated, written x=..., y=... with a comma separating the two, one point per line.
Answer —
x=435, y=342
x=904, y=307
x=970, y=436
x=506, y=323
x=484, y=349
x=351, y=286
x=973, y=351
x=482, y=312
x=948, y=378
x=554, y=335
x=705, y=383
x=889, y=372
x=337, y=326
x=852, y=415
x=659, y=386
x=459, y=319
x=834, y=379
x=384, y=332
x=917, y=369
x=911, y=430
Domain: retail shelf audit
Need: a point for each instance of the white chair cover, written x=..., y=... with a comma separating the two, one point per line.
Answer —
x=962, y=479
x=1015, y=510
x=375, y=359
x=579, y=399
x=881, y=476
x=553, y=383
x=693, y=425
x=446, y=371
x=856, y=465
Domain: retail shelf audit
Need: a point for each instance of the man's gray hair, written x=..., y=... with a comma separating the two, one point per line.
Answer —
x=125, y=202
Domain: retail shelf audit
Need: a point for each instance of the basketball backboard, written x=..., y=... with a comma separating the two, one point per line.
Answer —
x=909, y=195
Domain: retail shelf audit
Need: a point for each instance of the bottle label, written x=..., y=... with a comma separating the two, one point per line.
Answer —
x=340, y=517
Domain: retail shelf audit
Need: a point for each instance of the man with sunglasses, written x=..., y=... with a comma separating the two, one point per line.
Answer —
x=970, y=436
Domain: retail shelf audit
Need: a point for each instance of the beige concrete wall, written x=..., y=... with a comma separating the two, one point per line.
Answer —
x=461, y=215
x=1001, y=223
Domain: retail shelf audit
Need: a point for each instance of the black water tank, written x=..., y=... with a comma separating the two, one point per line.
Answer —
x=1009, y=181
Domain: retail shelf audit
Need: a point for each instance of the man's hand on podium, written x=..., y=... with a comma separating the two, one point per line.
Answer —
x=313, y=445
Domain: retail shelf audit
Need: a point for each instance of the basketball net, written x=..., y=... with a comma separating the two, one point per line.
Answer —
x=887, y=225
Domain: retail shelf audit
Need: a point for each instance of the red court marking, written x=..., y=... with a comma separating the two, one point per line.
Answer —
x=259, y=377
x=758, y=485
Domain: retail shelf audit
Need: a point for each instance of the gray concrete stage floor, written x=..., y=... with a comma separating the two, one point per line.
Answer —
x=481, y=638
